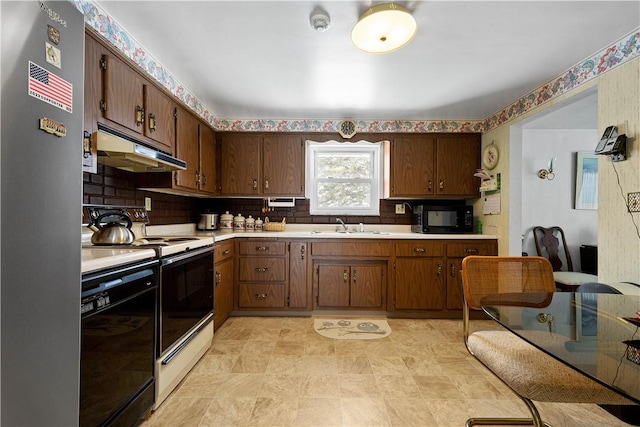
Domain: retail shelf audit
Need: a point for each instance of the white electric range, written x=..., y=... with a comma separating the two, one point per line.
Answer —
x=185, y=293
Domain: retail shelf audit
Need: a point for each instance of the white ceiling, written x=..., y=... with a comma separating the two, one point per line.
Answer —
x=469, y=59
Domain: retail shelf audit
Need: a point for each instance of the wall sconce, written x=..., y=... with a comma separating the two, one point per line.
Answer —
x=547, y=173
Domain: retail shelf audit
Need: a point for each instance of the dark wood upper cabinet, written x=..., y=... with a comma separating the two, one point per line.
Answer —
x=123, y=96
x=207, y=160
x=437, y=165
x=160, y=121
x=256, y=165
x=187, y=149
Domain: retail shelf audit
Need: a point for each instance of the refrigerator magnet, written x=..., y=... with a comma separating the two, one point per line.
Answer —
x=54, y=34
x=52, y=54
x=53, y=127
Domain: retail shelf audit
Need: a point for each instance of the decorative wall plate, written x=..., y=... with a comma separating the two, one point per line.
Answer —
x=490, y=156
x=347, y=128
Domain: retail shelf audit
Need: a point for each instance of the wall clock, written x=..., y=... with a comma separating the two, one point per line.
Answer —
x=490, y=156
x=347, y=128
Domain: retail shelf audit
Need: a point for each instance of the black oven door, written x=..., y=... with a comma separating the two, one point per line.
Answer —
x=186, y=294
x=118, y=310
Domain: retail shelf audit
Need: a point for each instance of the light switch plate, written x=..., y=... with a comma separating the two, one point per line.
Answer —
x=400, y=208
x=147, y=203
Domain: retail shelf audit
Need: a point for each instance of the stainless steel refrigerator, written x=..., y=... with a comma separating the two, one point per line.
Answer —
x=42, y=73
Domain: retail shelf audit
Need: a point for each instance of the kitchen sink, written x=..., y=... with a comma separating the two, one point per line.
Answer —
x=347, y=232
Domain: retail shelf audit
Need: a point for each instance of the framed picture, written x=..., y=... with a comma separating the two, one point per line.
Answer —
x=586, y=180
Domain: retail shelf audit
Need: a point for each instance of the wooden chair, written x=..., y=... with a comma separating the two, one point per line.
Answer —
x=530, y=373
x=551, y=243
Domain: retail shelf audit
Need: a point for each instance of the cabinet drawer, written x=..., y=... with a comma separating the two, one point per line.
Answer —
x=262, y=247
x=351, y=248
x=223, y=251
x=463, y=249
x=419, y=249
x=262, y=269
x=259, y=295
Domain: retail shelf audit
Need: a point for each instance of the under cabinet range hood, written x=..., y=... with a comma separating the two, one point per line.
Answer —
x=120, y=151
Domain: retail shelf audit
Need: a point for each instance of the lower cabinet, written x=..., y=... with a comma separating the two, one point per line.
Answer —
x=223, y=282
x=355, y=285
x=419, y=276
x=272, y=274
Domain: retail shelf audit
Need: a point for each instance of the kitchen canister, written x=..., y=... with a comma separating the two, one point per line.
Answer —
x=250, y=223
x=259, y=224
x=238, y=222
x=226, y=221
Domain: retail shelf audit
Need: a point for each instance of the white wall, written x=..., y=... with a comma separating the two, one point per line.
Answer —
x=550, y=202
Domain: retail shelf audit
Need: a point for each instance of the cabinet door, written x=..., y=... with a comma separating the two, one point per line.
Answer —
x=454, y=284
x=333, y=285
x=160, y=120
x=187, y=149
x=207, y=160
x=282, y=167
x=298, y=257
x=413, y=166
x=223, y=296
x=123, y=94
x=419, y=284
x=458, y=158
x=366, y=285
x=241, y=165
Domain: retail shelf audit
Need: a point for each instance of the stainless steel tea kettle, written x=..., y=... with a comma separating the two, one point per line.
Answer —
x=113, y=232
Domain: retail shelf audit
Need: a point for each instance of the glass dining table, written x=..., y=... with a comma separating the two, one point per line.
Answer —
x=596, y=334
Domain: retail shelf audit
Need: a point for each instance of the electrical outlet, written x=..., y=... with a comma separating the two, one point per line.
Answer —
x=633, y=201
x=400, y=208
x=147, y=203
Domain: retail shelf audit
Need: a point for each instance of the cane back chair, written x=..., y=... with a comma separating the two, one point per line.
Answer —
x=530, y=373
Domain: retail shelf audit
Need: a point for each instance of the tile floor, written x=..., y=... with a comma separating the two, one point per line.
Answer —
x=280, y=372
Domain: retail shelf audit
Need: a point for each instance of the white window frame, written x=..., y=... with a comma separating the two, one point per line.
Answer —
x=374, y=149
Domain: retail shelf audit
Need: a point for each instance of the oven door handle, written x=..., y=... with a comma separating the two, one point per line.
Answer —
x=184, y=343
x=186, y=255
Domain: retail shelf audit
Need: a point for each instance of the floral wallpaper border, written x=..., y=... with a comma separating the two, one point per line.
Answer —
x=623, y=50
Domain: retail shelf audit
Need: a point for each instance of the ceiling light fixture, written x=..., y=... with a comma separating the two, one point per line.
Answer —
x=383, y=28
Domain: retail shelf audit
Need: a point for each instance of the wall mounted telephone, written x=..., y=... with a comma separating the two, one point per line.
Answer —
x=612, y=144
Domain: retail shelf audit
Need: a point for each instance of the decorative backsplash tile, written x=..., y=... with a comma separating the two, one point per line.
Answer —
x=620, y=52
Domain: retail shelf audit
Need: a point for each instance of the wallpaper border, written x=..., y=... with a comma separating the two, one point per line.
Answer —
x=623, y=50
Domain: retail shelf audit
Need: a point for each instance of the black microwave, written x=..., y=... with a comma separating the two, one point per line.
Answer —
x=442, y=219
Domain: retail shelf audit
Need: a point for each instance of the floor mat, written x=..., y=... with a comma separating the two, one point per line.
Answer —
x=352, y=329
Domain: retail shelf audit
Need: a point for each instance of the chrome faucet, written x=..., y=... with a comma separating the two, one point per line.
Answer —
x=343, y=224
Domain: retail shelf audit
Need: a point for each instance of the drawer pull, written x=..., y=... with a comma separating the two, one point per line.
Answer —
x=225, y=252
x=261, y=296
x=471, y=251
x=419, y=250
x=262, y=248
x=261, y=269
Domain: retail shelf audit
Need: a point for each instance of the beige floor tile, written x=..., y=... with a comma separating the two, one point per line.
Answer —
x=319, y=412
x=319, y=386
x=285, y=386
x=409, y=412
x=274, y=412
x=240, y=385
x=364, y=411
x=354, y=385
x=280, y=372
x=228, y=412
